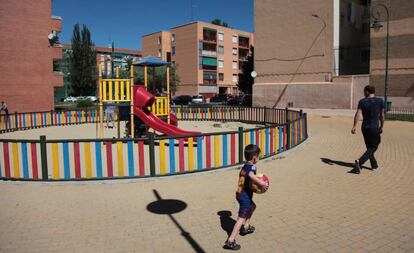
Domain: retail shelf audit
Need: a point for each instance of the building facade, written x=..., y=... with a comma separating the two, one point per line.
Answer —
x=321, y=53
x=208, y=57
x=28, y=54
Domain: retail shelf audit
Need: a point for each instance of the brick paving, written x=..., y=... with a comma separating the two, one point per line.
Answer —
x=311, y=206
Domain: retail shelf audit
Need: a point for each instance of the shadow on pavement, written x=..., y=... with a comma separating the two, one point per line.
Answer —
x=169, y=207
x=343, y=164
x=226, y=221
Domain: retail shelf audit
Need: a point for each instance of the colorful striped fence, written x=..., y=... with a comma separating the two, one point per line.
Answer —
x=23, y=121
x=153, y=156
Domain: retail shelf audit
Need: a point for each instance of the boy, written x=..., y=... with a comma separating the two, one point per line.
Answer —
x=244, y=196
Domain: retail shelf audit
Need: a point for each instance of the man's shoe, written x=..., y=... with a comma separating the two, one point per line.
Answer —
x=231, y=245
x=374, y=167
x=356, y=169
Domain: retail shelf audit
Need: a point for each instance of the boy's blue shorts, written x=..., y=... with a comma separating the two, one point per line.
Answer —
x=247, y=207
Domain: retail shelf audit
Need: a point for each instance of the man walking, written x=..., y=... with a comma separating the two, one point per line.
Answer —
x=371, y=109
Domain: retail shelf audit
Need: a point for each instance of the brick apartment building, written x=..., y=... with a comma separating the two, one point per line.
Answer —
x=27, y=52
x=104, y=56
x=208, y=57
x=321, y=53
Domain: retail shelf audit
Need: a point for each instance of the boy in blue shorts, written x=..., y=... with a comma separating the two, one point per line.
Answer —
x=244, y=196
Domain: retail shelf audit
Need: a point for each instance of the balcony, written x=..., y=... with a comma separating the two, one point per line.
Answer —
x=208, y=53
x=209, y=35
x=56, y=24
x=244, y=42
x=209, y=77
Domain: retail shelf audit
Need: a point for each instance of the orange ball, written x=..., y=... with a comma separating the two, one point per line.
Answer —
x=257, y=189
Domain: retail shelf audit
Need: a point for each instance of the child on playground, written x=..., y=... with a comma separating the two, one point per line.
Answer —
x=244, y=196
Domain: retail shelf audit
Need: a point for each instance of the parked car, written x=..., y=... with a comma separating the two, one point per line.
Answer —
x=247, y=100
x=181, y=100
x=217, y=99
x=197, y=99
x=92, y=98
x=70, y=99
x=236, y=100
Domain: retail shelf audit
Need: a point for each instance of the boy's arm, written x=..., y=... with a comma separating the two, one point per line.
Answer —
x=257, y=181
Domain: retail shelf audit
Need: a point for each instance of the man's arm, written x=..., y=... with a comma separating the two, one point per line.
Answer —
x=381, y=120
x=357, y=117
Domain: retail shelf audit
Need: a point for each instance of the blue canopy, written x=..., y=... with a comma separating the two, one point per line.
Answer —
x=150, y=61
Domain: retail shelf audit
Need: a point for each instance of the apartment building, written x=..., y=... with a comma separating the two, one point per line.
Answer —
x=321, y=53
x=208, y=57
x=29, y=48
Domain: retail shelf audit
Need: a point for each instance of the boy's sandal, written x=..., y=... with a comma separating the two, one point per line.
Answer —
x=244, y=231
x=231, y=245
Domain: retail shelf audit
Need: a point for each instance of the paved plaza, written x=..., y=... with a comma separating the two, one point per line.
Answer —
x=313, y=204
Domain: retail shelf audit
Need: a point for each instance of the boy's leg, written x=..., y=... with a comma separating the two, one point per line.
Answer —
x=236, y=229
x=247, y=222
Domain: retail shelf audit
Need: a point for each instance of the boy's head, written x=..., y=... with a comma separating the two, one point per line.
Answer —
x=251, y=153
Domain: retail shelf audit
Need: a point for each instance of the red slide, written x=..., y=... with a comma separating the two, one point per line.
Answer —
x=142, y=99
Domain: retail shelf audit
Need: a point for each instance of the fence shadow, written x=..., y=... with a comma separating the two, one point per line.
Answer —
x=226, y=221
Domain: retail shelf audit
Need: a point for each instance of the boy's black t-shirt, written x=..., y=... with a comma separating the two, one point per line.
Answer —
x=371, y=109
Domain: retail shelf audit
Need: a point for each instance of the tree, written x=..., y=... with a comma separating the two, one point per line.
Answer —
x=83, y=71
x=245, y=78
x=219, y=22
x=158, y=75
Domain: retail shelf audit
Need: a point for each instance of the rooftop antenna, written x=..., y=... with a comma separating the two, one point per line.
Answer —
x=192, y=10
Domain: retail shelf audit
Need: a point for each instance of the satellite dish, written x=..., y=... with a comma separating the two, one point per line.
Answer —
x=253, y=74
x=50, y=36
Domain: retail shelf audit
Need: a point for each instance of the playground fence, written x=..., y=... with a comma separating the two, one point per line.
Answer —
x=89, y=159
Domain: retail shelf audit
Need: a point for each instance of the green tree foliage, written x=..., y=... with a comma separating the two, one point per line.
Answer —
x=245, y=79
x=157, y=76
x=83, y=71
x=219, y=22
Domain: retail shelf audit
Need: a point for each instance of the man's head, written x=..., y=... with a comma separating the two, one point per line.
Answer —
x=369, y=90
x=251, y=153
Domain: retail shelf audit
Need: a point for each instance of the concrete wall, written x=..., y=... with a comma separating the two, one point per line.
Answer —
x=26, y=57
x=284, y=32
x=342, y=93
x=401, y=53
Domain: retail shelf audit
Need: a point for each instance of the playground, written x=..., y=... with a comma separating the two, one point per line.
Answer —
x=311, y=206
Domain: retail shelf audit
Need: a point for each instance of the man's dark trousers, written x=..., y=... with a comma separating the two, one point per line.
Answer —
x=372, y=140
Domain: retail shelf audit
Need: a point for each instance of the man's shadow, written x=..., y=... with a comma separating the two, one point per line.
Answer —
x=343, y=164
x=226, y=221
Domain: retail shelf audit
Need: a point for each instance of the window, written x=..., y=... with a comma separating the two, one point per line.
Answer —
x=159, y=53
x=159, y=40
x=234, y=39
x=235, y=78
x=221, y=36
x=173, y=50
x=173, y=37
x=234, y=65
x=234, y=51
x=220, y=63
x=221, y=77
x=221, y=49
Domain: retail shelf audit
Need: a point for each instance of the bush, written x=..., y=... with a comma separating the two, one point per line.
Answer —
x=84, y=103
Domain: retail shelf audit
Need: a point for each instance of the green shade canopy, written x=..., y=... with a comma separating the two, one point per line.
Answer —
x=208, y=61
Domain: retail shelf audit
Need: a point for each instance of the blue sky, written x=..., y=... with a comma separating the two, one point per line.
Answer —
x=125, y=21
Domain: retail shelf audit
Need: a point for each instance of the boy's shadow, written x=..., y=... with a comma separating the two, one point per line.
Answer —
x=227, y=223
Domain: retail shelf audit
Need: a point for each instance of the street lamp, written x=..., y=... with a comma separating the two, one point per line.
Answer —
x=376, y=25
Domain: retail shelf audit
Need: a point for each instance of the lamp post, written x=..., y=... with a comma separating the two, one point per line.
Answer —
x=377, y=26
